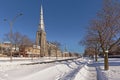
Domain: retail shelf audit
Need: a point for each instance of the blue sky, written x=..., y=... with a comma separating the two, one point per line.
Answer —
x=65, y=20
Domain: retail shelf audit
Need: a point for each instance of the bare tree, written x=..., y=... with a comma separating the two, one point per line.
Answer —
x=104, y=31
x=56, y=47
x=18, y=40
x=106, y=27
x=26, y=41
x=91, y=43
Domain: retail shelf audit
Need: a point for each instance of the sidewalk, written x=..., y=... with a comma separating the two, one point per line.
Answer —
x=88, y=72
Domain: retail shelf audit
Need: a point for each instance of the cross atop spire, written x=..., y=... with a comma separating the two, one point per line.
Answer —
x=41, y=24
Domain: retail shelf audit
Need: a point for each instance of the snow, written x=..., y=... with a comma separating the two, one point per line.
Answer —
x=77, y=69
x=88, y=72
x=114, y=69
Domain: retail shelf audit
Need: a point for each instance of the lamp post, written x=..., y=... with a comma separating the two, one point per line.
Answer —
x=11, y=33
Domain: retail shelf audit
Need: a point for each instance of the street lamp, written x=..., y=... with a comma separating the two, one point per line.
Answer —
x=11, y=25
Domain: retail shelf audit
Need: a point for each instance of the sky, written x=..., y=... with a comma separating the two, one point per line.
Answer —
x=66, y=21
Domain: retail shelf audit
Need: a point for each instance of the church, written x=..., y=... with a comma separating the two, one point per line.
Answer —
x=41, y=36
x=42, y=47
x=46, y=48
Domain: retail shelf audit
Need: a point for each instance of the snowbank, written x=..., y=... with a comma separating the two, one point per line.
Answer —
x=114, y=69
x=86, y=73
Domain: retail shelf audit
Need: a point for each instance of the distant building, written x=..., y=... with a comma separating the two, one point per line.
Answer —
x=5, y=48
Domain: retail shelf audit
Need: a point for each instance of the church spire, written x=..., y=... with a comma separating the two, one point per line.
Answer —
x=41, y=24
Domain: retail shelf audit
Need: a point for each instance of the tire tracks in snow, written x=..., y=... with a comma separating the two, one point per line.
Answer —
x=71, y=74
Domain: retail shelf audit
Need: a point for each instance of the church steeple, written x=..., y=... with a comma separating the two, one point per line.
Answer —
x=41, y=24
x=41, y=35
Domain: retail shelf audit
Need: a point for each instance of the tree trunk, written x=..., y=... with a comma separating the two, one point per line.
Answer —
x=106, y=65
x=56, y=53
x=96, y=59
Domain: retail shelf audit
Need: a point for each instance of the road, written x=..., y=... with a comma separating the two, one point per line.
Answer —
x=64, y=70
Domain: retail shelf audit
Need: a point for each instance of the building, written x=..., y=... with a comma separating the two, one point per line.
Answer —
x=41, y=36
x=5, y=48
x=53, y=50
x=32, y=51
x=46, y=48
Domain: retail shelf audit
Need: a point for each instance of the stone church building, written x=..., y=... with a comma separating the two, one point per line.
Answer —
x=46, y=48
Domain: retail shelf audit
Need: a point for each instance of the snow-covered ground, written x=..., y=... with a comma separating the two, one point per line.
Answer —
x=65, y=70
x=77, y=69
x=114, y=69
